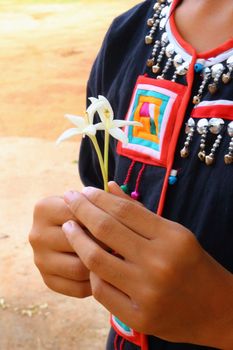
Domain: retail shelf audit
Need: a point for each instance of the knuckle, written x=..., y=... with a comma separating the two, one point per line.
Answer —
x=93, y=259
x=40, y=209
x=76, y=207
x=123, y=207
x=75, y=271
x=94, y=196
x=49, y=282
x=34, y=238
x=39, y=262
x=103, y=227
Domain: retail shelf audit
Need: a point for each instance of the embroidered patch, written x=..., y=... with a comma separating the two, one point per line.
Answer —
x=154, y=104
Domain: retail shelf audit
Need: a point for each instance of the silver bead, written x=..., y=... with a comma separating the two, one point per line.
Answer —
x=164, y=38
x=202, y=125
x=230, y=129
x=190, y=125
x=178, y=60
x=216, y=125
x=207, y=72
x=165, y=11
x=217, y=70
x=230, y=62
x=162, y=23
x=170, y=49
x=181, y=70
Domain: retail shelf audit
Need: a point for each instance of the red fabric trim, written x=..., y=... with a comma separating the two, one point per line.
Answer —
x=122, y=343
x=186, y=46
x=144, y=342
x=115, y=341
x=147, y=159
x=227, y=45
x=135, y=338
x=175, y=135
x=218, y=111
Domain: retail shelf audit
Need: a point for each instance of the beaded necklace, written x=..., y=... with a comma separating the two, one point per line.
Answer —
x=165, y=61
x=169, y=61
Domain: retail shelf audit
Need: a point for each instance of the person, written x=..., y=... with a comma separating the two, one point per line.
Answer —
x=157, y=250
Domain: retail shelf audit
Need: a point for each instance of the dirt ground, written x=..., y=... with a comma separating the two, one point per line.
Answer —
x=46, y=51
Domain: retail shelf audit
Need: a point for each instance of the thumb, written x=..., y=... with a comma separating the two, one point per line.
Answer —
x=115, y=189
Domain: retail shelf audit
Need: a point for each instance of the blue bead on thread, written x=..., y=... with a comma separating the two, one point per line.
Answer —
x=199, y=66
x=172, y=180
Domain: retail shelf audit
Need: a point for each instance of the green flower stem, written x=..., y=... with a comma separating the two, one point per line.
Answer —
x=106, y=152
x=101, y=162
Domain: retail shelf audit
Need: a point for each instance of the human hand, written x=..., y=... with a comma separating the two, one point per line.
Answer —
x=61, y=269
x=162, y=283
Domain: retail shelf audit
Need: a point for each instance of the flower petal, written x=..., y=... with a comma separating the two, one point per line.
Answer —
x=100, y=126
x=76, y=120
x=67, y=134
x=93, y=108
x=89, y=130
x=119, y=135
x=120, y=123
x=106, y=105
x=93, y=99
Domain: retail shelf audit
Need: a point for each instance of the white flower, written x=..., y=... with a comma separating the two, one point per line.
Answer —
x=108, y=123
x=84, y=125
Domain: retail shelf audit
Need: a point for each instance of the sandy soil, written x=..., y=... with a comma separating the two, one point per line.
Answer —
x=46, y=52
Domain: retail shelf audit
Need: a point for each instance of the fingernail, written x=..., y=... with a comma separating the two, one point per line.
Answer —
x=88, y=190
x=67, y=227
x=70, y=196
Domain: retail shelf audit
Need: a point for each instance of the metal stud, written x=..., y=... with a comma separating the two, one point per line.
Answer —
x=202, y=129
x=189, y=130
x=215, y=127
x=226, y=77
x=216, y=72
x=228, y=158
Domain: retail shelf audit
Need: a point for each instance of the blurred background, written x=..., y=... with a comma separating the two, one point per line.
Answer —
x=46, y=52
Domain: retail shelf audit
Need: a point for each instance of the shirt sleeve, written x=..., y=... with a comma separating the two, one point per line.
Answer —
x=89, y=168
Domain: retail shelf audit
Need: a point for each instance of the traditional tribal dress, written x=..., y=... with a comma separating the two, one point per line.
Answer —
x=180, y=163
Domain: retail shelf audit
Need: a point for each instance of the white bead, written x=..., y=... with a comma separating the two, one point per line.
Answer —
x=217, y=70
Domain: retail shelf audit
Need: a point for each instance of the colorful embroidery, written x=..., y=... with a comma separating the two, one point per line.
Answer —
x=125, y=331
x=154, y=104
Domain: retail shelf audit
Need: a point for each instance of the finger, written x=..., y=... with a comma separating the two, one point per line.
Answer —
x=121, y=274
x=52, y=210
x=117, y=191
x=68, y=266
x=116, y=302
x=68, y=287
x=55, y=239
x=129, y=213
x=106, y=228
